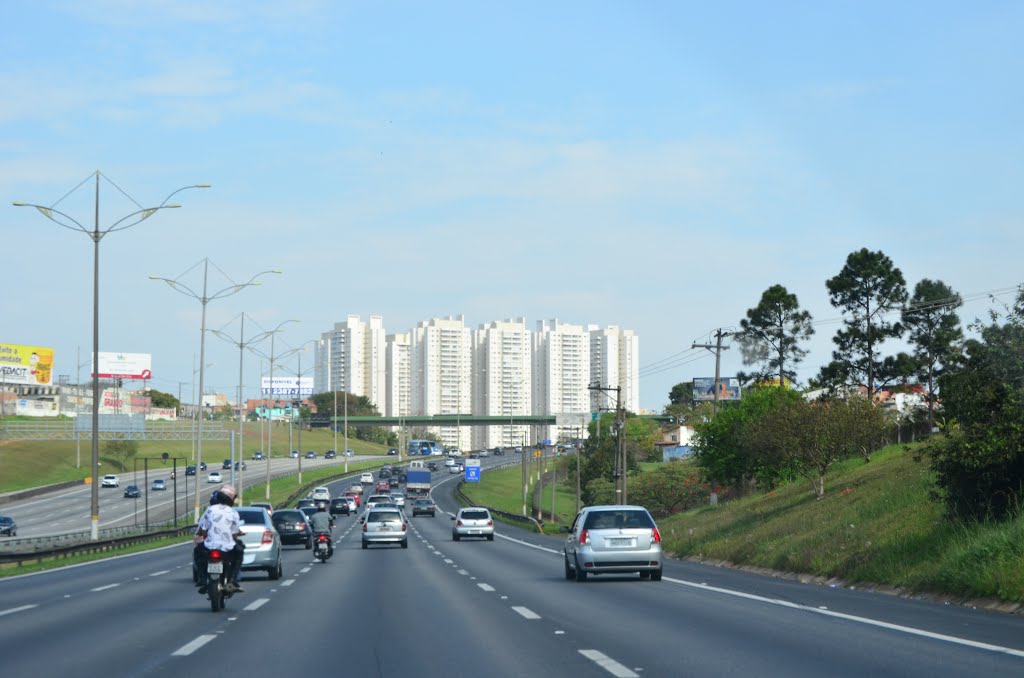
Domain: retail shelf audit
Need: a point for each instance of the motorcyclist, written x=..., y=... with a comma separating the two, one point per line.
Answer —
x=322, y=522
x=220, y=529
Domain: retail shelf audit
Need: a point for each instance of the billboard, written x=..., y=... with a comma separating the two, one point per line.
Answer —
x=26, y=364
x=704, y=389
x=286, y=387
x=124, y=366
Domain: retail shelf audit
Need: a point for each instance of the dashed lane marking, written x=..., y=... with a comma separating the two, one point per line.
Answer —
x=189, y=648
x=256, y=604
x=287, y=582
x=157, y=574
x=486, y=587
x=104, y=588
x=608, y=664
x=526, y=612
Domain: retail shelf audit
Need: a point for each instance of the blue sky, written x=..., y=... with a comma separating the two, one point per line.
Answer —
x=654, y=165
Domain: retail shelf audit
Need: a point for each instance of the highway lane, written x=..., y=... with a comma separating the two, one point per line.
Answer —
x=475, y=608
x=68, y=510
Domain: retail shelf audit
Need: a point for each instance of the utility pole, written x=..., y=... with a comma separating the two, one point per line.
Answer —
x=717, y=349
x=621, y=467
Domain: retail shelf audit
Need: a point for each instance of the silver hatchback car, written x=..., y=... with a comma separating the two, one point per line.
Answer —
x=385, y=525
x=262, y=542
x=473, y=521
x=613, y=540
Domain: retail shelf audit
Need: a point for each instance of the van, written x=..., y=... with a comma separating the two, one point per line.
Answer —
x=416, y=463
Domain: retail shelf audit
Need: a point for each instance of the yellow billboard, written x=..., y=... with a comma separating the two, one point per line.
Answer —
x=29, y=365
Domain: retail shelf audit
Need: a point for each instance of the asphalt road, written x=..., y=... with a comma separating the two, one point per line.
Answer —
x=68, y=510
x=478, y=608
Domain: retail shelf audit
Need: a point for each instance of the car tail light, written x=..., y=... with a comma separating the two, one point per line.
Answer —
x=490, y=523
x=655, y=535
x=268, y=537
x=214, y=555
x=458, y=523
x=584, y=536
x=364, y=527
x=404, y=527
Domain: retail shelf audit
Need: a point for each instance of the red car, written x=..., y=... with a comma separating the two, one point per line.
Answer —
x=358, y=496
x=383, y=486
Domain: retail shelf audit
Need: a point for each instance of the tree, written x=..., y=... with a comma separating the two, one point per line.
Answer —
x=771, y=335
x=935, y=333
x=979, y=463
x=812, y=436
x=161, y=399
x=597, y=459
x=867, y=288
x=681, y=394
x=668, y=489
x=724, y=450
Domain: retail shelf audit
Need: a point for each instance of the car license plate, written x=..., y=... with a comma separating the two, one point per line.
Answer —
x=215, y=568
x=474, y=531
x=385, y=528
x=620, y=541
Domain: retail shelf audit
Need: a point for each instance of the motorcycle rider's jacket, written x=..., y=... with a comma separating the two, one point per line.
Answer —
x=220, y=522
x=320, y=522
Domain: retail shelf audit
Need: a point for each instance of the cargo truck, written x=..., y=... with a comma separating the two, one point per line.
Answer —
x=417, y=482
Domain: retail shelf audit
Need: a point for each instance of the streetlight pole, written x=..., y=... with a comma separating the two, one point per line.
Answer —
x=270, y=391
x=241, y=344
x=96, y=235
x=204, y=299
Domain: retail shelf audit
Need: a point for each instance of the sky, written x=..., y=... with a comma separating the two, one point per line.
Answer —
x=652, y=165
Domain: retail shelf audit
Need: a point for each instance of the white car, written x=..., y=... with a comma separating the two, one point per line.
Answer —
x=320, y=494
x=214, y=477
x=399, y=499
x=484, y=453
x=454, y=452
x=449, y=462
x=110, y=481
x=457, y=468
x=366, y=479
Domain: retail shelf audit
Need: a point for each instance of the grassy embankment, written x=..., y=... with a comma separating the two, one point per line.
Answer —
x=503, y=490
x=31, y=463
x=875, y=525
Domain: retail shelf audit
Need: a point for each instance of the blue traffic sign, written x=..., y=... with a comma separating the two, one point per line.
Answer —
x=472, y=474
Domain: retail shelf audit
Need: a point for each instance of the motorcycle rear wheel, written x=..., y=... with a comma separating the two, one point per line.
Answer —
x=216, y=596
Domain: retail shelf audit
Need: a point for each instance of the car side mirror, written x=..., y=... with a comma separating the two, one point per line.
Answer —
x=452, y=517
x=564, y=529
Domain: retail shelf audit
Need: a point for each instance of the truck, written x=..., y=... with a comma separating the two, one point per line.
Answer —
x=417, y=482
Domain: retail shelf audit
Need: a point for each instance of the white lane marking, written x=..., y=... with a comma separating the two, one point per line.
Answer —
x=256, y=604
x=189, y=648
x=526, y=543
x=854, y=618
x=463, y=573
x=486, y=587
x=157, y=574
x=17, y=609
x=287, y=582
x=304, y=570
x=608, y=664
x=526, y=612
x=104, y=588
x=448, y=561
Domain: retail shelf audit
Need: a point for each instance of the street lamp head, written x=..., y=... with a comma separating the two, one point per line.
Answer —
x=172, y=206
x=18, y=203
x=202, y=186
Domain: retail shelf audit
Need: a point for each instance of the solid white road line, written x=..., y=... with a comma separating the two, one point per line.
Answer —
x=608, y=664
x=189, y=648
x=104, y=588
x=526, y=612
x=17, y=609
x=486, y=587
x=256, y=604
x=849, y=617
x=157, y=574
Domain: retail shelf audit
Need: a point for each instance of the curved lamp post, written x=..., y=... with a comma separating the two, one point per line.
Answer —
x=96, y=234
x=204, y=298
x=270, y=416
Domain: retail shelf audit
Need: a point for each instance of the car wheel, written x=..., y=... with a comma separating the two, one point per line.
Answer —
x=455, y=537
x=365, y=545
x=275, y=573
x=405, y=544
x=568, y=570
x=309, y=544
x=490, y=537
x=581, y=574
x=656, y=575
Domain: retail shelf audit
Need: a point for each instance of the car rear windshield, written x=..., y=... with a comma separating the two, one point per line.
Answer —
x=251, y=516
x=6, y=521
x=475, y=515
x=622, y=518
x=288, y=516
x=384, y=517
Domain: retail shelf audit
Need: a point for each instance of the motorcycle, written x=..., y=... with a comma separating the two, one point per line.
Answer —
x=217, y=578
x=322, y=547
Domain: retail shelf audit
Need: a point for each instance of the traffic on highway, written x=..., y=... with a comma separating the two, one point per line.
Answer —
x=477, y=598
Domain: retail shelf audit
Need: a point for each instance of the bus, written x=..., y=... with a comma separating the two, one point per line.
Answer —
x=423, y=447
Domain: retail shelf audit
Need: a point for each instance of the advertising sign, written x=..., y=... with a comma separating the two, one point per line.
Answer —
x=124, y=366
x=704, y=388
x=284, y=387
x=26, y=364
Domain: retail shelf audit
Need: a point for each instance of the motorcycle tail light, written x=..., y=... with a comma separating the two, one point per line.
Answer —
x=214, y=555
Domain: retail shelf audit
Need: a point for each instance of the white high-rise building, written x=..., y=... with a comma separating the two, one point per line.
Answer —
x=561, y=373
x=614, y=362
x=398, y=364
x=351, y=358
x=502, y=381
x=441, y=363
